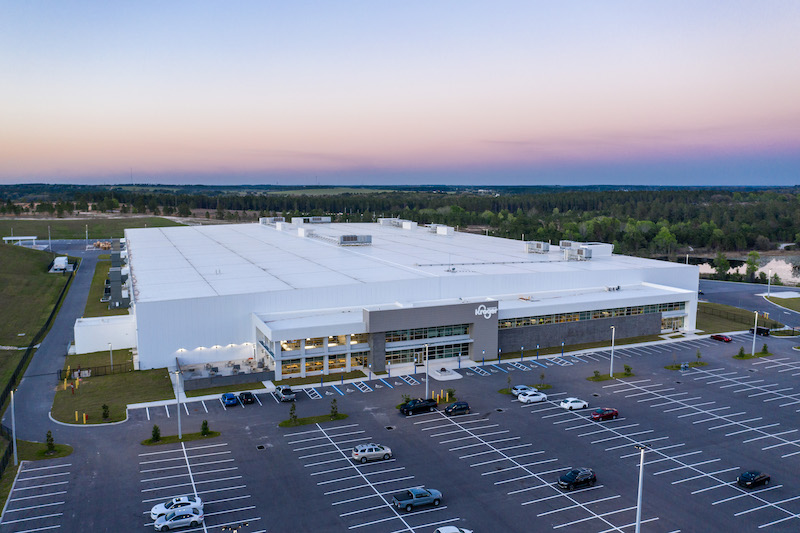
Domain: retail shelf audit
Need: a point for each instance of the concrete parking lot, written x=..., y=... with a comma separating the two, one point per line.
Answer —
x=497, y=466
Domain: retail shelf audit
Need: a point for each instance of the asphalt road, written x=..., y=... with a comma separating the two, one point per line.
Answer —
x=496, y=466
x=748, y=296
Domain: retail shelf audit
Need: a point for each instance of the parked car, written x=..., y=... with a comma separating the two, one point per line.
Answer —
x=457, y=408
x=577, y=477
x=229, y=399
x=517, y=389
x=247, y=397
x=180, y=518
x=285, y=393
x=573, y=403
x=604, y=413
x=452, y=529
x=531, y=396
x=723, y=338
x=761, y=330
x=371, y=451
x=179, y=502
x=752, y=478
x=418, y=406
x=416, y=497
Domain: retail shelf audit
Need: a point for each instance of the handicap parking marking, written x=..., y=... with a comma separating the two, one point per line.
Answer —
x=409, y=379
x=519, y=366
x=386, y=383
x=312, y=393
x=337, y=390
x=480, y=371
x=500, y=368
x=560, y=362
x=536, y=362
x=362, y=386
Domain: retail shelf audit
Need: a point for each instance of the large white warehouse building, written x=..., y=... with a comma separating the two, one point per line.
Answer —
x=312, y=297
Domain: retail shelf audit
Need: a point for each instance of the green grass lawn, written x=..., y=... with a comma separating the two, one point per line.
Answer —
x=26, y=289
x=737, y=319
x=9, y=359
x=67, y=228
x=94, y=307
x=788, y=303
x=575, y=347
x=117, y=391
x=87, y=360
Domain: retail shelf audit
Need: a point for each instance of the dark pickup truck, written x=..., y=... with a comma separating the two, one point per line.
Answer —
x=418, y=406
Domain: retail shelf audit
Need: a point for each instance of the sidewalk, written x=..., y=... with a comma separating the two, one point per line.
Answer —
x=449, y=367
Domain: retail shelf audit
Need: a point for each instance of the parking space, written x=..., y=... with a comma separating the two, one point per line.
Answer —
x=526, y=473
x=208, y=471
x=37, y=498
x=361, y=494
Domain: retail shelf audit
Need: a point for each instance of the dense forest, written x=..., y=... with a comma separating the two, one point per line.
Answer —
x=643, y=220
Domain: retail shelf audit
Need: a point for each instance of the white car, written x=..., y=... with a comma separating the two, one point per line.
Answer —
x=179, y=502
x=180, y=518
x=368, y=452
x=573, y=403
x=452, y=529
x=516, y=389
x=532, y=396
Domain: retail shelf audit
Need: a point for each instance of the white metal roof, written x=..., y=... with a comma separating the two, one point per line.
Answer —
x=195, y=261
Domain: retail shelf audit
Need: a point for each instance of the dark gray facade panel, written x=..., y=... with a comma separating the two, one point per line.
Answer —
x=599, y=329
x=482, y=317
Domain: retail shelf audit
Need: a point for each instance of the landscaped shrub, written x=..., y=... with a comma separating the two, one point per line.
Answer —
x=204, y=431
x=156, y=434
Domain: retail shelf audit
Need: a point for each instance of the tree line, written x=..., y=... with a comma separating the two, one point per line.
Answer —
x=636, y=220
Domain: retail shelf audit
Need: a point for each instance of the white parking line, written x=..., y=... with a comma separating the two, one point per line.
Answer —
x=166, y=410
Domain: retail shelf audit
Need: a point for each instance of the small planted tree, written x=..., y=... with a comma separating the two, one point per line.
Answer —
x=204, y=431
x=451, y=394
x=293, y=414
x=741, y=352
x=334, y=409
x=699, y=356
x=156, y=436
x=406, y=398
x=764, y=349
x=628, y=370
x=596, y=374
x=541, y=378
x=51, y=445
x=105, y=412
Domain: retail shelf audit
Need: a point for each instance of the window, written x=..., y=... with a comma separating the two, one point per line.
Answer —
x=359, y=358
x=288, y=346
x=314, y=364
x=316, y=342
x=290, y=366
x=337, y=340
x=427, y=333
x=359, y=338
x=339, y=361
x=590, y=315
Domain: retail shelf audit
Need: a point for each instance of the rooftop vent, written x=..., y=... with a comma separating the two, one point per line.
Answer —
x=311, y=220
x=270, y=221
x=355, y=240
x=537, y=247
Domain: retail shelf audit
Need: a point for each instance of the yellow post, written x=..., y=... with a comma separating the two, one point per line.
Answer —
x=441, y=392
x=448, y=396
x=84, y=418
x=77, y=382
x=65, y=383
x=76, y=416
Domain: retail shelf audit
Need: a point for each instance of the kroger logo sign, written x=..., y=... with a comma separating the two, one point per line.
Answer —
x=486, y=312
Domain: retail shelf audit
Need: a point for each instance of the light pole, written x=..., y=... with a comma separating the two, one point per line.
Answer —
x=521, y=353
x=427, y=375
x=13, y=429
x=769, y=281
x=178, y=400
x=642, y=448
x=537, y=352
x=483, y=360
x=755, y=329
x=611, y=370
x=562, y=348
x=111, y=356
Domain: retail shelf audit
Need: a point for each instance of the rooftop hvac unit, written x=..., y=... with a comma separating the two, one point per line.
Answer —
x=409, y=225
x=270, y=221
x=305, y=232
x=355, y=240
x=569, y=245
x=584, y=253
x=389, y=221
x=444, y=230
x=537, y=247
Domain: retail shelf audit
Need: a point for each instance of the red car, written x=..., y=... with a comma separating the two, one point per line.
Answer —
x=723, y=338
x=604, y=413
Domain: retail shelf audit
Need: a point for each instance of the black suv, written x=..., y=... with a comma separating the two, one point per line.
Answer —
x=577, y=477
x=457, y=408
x=247, y=397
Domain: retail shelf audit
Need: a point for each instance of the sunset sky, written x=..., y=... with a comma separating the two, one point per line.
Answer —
x=363, y=92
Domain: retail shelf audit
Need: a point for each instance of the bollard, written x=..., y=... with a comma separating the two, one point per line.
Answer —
x=76, y=416
x=84, y=418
